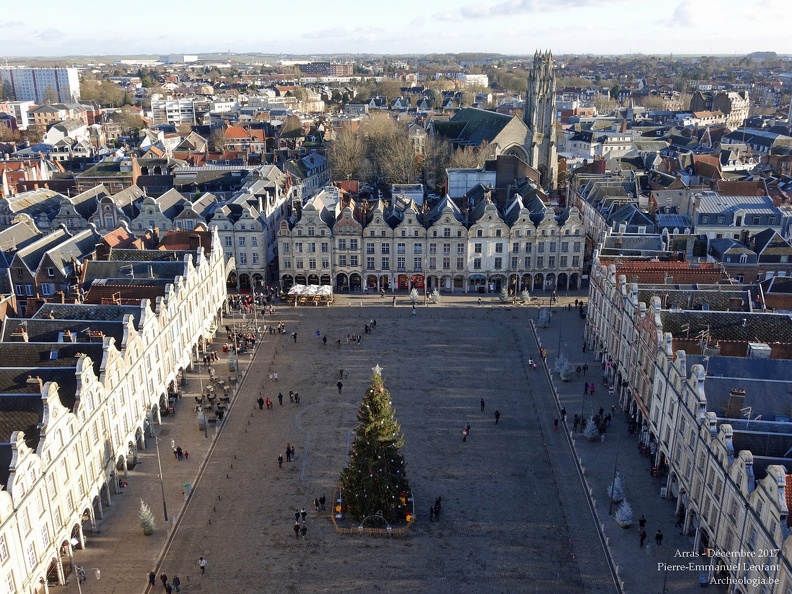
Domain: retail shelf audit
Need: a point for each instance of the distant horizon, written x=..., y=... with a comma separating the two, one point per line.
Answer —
x=506, y=27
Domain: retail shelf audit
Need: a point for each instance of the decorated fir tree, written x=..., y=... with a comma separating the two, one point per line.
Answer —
x=375, y=479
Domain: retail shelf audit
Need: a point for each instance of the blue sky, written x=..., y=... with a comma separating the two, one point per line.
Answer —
x=407, y=26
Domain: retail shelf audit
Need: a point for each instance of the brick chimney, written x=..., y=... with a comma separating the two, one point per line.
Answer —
x=735, y=403
x=34, y=385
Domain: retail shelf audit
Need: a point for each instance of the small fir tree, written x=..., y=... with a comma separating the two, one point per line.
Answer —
x=435, y=296
x=504, y=295
x=146, y=517
x=563, y=367
x=616, y=489
x=414, y=295
x=591, y=431
x=624, y=515
x=525, y=296
x=375, y=478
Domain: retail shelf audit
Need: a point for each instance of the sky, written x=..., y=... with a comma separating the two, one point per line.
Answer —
x=313, y=27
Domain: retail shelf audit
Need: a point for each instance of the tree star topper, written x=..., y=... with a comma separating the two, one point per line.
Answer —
x=377, y=370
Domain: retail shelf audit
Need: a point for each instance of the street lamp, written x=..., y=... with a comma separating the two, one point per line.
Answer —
x=81, y=575
x=162, y=484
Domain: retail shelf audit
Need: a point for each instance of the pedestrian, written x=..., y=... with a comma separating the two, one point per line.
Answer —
x=591, y=388
x=292, y=453
x=575, y=424
x=164, y=579
x=431, y=513
x=168, y=589
x=152, y=578
x=297, y=529
x=280, y=398
x=339, y=385
x=297, y=515
x=291, y=396
x=482, y=405
x=304, y=531
x=479, y=300
x=275, y=376
x=601, y=410
x=202, y=564
x=642, y=522
x=555, y=424
x=176, y=583
x=659, y=537
x=186, y=456
x=304, y=514
x=288, y=452
x=268, y=403
x=413, y=309
x=316, y=505
x=280, y=460
x=175, y=453
x=437, y=506
x=322, y=501
x=260, y=403
x=497, y=416
x=563, y=414
x=296, y=398
x=393, y=302
x=179, y=453
x=642, y=537
x=324, y=340
x=294, y=337
x=464, y=434
x=340, y=374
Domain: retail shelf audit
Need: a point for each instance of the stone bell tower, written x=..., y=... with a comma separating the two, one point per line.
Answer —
x=540, y=117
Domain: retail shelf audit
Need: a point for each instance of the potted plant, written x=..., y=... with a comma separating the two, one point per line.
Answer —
x=146, y=518
x=624, y=514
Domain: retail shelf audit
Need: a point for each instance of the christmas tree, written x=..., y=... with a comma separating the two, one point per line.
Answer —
x=375, y=479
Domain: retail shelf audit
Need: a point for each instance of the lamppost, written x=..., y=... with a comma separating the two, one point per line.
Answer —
x=162, y=484
x=81, y=575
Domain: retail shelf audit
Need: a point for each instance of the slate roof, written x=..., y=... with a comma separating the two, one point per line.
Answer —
x=46, y=330
x=68, y=311
x=120, y=269
x=129, y=255
x=16, y=237
x=79, y=246
x=672, y=221
x=472, y=126
x=19, y=413
x=714, y=203
x=35, y=202
x=695, y=298
x=444, y=203
x=759, y=327
x=33, y=253
x=777, y=284
x=126, y=291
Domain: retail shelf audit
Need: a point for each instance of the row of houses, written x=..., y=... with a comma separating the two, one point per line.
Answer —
x=82, y=381
x=478, y=246
x=700, y=363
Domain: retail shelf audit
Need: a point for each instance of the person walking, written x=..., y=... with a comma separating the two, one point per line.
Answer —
x=642, y=522
x=482, y=405
x=563, y=414
x=316, y=505
x=642, y=537
x=288, y=452
x=339, y=385
x=275, y=376
x=297, y=530
x=186, y=456
x=176, y=583
x=322, y=501
x=202, y=564
x=437, y=505
x=659, y=537
x=294, y=337
x=280, y=460
x=260, y=403
x=413, y=309
x=555, y=424
x=303, y=530
x=152, y=578
x=497, y=416
x=324, y=340
x=304, y=514
x=280, y=398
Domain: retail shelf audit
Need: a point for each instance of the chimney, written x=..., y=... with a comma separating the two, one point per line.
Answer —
x=735, y=403
x=34, y=385
x=195, y=241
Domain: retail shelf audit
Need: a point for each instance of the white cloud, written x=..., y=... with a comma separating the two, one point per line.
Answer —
x=517, y=7
x=419, y=21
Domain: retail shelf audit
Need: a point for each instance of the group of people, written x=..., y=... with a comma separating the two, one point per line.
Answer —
x=642, y=533
x=210, y=357
x=179, y=453
x=300, y=529
x=170, y=586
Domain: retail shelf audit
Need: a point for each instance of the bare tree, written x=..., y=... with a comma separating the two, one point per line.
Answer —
x=436, y=159
x=347, y=155
x=469, y=157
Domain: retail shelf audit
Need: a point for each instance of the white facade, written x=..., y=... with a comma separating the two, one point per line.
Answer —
x=173, y=111
x=33, y=84
x=71, y=473
x=18, y=109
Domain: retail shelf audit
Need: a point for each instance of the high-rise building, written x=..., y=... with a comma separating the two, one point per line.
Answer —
x=540, y=117
x=55, y=85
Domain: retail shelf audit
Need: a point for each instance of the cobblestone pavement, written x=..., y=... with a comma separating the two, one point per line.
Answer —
x=515, y=517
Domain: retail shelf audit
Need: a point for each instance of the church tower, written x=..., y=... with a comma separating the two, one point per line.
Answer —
x=540, y=117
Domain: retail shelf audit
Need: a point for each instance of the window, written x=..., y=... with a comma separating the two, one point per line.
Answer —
x=298, y=263
x=514, y=261
x=45, y=536
x=461, y=248
x=498, y=248
x=241, y=241
x=385, y=248
x=540, y=262
x=3, y=548
x=540, y=247
x=369, y=247
x=477, y=248
x=564, y=246
x=527, y=261
x=298, y=247
x=353, y=244
x=50, y=272
x=401, y=248
x=342, y=244
x=446, y=231
x=369, y=263
x=417, y=264
x=498, y=263
x=312, y=263
x=432, y=262
x=311, y=247
x=563, y=261
x=516, y=246
x=255, y=258
x=432, y=248
x=446, y=263
x=325, y=247
x=382, y=233
x=229, y=241
x=497, y=232
x=400, y=264
x=460, y=263
x=476, y=263
x=342, y=260
x=576, y=261
x=446, y=248
x=242, y=258
x=479, y=233
x=576, y=246
x=311, y=231
x=385, y=263
x=353, y=260
x=417, y=248
x=31, y=556
x=29, y=290
x=755, y=220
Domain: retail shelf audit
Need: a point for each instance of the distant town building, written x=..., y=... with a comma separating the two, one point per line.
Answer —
x=41, y=84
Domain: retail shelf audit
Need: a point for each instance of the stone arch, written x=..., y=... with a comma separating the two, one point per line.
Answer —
x=562, y=281
x=244, y=282
x=538, y=284
x=342, y=282
x=355, y=282
x=516, y=150
x=231, y=280
x=574, y=281
x=286, y=282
